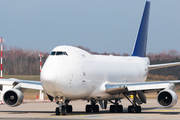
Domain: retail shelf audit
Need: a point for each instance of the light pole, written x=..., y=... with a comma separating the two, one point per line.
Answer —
x=2, y=40
x=41, y=95
x=2, y=91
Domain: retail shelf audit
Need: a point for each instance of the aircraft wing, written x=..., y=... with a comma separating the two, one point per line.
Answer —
x=30, y=84
x=115, y=88
x=157, y=66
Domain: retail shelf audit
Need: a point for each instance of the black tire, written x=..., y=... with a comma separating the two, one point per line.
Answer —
x=112, y=108
x=119, y=108
x=88, y=108
x=69, y=108
x=57, y=111
x=64, y=110
x=130, y=109
x=138, y=109
x=96, y=108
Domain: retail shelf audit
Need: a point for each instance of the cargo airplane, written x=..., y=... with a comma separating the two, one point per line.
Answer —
x=70, y=73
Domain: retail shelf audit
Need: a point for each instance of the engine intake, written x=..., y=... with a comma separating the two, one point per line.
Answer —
x=167, y=98
x=13, y=97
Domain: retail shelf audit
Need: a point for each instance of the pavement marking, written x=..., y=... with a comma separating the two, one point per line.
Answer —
x=87, y=116
x=165, y=110
x=128, y=117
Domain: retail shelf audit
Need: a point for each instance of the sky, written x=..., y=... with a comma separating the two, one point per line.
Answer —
x=101, y=25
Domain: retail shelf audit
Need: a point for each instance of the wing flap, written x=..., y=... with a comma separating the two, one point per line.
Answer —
x=6, y=82
x=115, y=88
x=146, y=86
x=30, y=84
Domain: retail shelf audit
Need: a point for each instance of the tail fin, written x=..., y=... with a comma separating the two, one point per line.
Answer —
x=141, y=41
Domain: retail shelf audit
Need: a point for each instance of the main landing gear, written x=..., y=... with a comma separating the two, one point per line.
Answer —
x=116, y=107
x=63, y=106
x=134, y=108
x=93, y=107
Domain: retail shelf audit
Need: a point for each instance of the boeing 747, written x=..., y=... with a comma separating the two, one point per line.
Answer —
x=70, y=73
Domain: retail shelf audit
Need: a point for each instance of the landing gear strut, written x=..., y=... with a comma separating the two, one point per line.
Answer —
x=63, y=106
x=93, y=107
x=116, y=107
x=134, y=108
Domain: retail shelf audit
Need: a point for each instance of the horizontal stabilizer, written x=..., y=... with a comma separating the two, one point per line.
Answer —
x=157, y=66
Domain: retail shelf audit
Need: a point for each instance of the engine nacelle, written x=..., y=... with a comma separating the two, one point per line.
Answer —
x=167, y=98
x=13, y=97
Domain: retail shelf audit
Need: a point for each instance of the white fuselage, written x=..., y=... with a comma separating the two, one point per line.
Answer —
x=81, y=75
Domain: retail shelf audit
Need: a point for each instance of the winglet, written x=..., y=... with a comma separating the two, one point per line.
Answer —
x=139, y=48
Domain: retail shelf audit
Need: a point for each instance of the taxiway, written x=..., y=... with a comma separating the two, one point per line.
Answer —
x=28, y=111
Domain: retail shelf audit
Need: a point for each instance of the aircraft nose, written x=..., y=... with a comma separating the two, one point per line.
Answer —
x=48, y=75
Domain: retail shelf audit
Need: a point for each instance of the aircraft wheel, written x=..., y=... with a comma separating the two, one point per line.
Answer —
x=96, y=108
x=138, y=109
x=130, y=109
x=64, y=110
x=119, y=108
x=112, y=108
x=88, y=108
x=69, y=108
x=57, y=111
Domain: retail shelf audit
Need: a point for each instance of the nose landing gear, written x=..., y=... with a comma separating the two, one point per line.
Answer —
x=63, y=106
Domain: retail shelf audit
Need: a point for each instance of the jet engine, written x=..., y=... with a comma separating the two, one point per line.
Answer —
x=13, y=97
x=167, y=98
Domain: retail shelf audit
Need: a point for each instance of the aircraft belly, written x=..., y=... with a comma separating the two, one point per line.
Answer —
x=101, y=97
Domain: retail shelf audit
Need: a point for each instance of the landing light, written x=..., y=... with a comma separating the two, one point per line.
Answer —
x=61, y=100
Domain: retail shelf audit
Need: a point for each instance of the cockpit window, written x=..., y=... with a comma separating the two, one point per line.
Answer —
x=58, y=53
x=65, y=53
x=53, y=53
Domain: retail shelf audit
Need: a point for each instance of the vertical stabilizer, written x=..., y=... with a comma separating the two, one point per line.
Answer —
x=141, y=41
